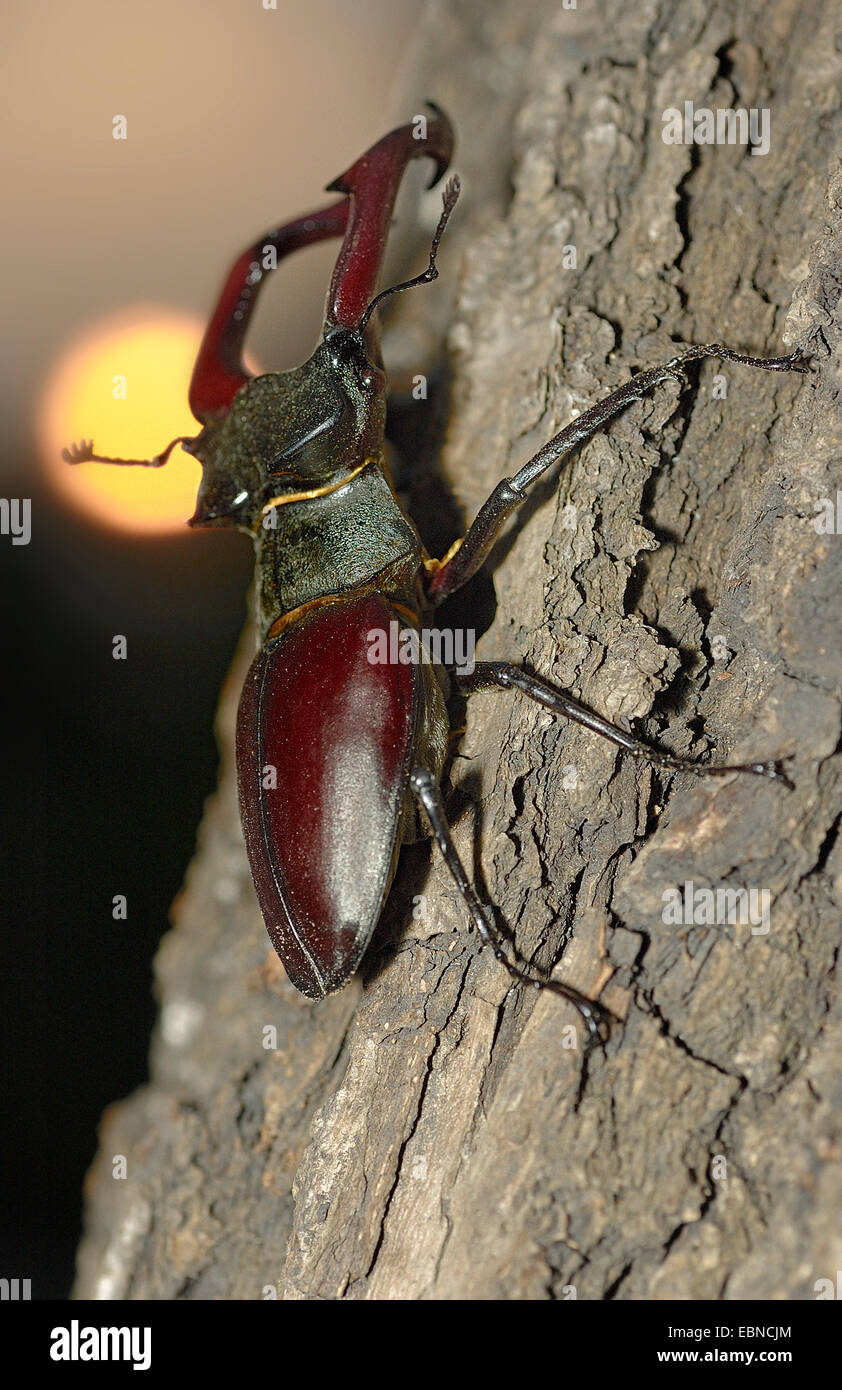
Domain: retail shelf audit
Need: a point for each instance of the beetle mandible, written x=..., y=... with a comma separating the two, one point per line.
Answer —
x=295, y=459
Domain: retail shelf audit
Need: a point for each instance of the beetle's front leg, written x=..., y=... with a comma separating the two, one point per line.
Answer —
x=463, y=561
x=426, y=788
x=500, y=675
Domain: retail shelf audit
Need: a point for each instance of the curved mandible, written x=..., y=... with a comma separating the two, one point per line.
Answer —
x=219, y=373
x=363, y=215
x=372, y=184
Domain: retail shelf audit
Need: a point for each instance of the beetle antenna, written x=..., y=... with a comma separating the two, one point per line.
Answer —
x=449, y=200
x=83, y=452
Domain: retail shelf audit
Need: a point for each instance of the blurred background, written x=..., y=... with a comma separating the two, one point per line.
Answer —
x=236, y=116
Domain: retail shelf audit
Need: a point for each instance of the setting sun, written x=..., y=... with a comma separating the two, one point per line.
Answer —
x=123, y=383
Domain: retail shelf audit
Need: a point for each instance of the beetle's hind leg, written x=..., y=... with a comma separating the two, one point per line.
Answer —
x=500, y=675
x=425, y=786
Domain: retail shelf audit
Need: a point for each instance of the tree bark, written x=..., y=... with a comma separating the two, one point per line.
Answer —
x=429, y=1132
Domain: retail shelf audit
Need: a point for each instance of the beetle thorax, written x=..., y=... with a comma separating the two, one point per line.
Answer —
x=293, y=434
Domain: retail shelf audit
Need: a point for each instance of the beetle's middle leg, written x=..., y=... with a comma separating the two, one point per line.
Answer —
x=445, y=576
x=425, y=786
x=500, y=675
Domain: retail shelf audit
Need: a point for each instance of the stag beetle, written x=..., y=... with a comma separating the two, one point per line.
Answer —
x=295, y=459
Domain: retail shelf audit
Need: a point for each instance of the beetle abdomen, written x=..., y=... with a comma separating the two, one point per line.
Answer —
x=324, y=739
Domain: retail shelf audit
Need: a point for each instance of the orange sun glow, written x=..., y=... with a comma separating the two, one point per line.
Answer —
x=123, y=383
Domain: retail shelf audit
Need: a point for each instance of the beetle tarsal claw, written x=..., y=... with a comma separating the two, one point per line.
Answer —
x=774, y=770
x=82, y=452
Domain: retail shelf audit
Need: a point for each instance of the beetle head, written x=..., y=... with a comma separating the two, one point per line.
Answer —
x=292, y=433
x=298, y=434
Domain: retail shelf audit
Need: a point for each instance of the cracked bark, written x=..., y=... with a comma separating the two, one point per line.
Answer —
x=422, y=1134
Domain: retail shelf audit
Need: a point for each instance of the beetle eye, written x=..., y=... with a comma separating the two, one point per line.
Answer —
x=371, y=379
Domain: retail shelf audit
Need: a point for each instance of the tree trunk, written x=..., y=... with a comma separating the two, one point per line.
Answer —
x=430, y=1131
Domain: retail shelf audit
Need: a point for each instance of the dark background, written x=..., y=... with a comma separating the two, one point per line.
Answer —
x=238, y=117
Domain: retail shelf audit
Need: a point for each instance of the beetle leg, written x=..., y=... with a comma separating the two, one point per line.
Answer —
x=511, y=493
x=84, y=453
x=489, y=675
x=426, y=788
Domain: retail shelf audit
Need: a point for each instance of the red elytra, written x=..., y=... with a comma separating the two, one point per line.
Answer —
x=324, y=741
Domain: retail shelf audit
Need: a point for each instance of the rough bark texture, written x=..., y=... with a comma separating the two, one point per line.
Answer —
x=428, y=1132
